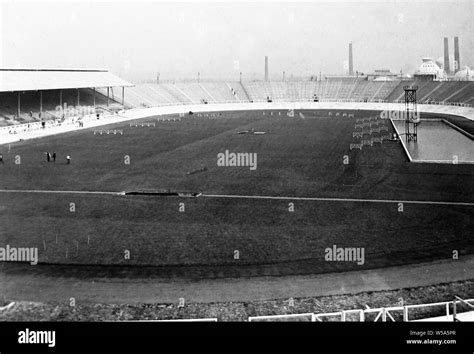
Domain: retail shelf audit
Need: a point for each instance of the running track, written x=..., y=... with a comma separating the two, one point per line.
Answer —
x=425, y=202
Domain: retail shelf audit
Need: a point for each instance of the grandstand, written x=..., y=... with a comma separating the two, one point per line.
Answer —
x=24, y=104
x=354, y=90
x=32, y=95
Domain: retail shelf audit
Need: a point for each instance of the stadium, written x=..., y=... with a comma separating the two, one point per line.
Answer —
x=234, y=200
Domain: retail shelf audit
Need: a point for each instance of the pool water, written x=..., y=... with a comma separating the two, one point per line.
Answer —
x=438, y=142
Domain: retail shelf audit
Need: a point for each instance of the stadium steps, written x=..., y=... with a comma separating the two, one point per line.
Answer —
x=257, y=91
x=279, y=90
x=392, y=96
x=377, y=93
x=174, y=92
x=207, y=93
x=240, y=92
x=193, y=91
x=467, y=90
x=426, y=96
x=356, y=82
x=220, y=91
x=159, y=93
x=446, y=90
x=387, y=89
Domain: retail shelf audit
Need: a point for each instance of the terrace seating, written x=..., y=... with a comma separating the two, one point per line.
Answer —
x=153, y=95
x=240, y=92
x=359, y=90
x=258, y=91
x=436, y=91
x=386, y=89
x=194, y=91
x=219, y=91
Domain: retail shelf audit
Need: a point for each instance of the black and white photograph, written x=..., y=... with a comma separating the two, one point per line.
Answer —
x=198, y=166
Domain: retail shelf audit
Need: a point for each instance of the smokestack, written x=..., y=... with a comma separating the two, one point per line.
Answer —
x=266, y=68
x=351, y=67
x=457, y=63
x=446, y=56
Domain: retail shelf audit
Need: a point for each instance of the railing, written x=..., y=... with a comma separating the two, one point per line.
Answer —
x=440, y=103
x=383, y=314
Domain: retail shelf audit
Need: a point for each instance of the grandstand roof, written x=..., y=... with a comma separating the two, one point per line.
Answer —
x=53, y=79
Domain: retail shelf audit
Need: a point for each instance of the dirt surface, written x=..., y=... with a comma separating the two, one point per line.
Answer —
x=45, y=288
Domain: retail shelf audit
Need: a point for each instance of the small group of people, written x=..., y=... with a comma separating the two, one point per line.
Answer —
x=52, y=157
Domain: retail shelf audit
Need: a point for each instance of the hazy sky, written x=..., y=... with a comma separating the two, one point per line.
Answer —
x=220, y=39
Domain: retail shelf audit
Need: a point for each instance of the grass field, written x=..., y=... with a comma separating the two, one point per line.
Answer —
x=296, y=157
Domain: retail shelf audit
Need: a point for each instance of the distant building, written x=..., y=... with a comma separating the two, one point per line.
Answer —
x=382, y=75
x=430, y=71
x=466, y=74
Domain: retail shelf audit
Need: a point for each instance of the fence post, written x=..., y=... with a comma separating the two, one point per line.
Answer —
x=454, y=310
x=405, y=314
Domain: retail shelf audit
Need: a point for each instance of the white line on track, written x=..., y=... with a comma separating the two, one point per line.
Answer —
x=55, y=192
x=229, y=196
x=337, y=199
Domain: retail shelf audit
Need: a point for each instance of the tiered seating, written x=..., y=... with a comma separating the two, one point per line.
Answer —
x=386, y=89
x=319, y=88
x=279, y=90
x=158, y=90
x=141, y=96
x=220, y=91
x=397, y=91
x=194, y=91
x=30, y=104
x=152, y=95
x=437, y=91
x=307, y=90
x=240, y=92
x=345, y=89
x=371, y=90
x=294, y=90
x=332, y=88
x=176, y=92
x=423, y=94
x=258, y=90
x=358, y=92
x=461, y=93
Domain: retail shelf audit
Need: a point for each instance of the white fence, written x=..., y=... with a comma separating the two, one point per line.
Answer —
x=383, y=314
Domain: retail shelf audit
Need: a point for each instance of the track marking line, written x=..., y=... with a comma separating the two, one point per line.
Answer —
x=230, y=196
x=56, y=192
x=337, y=199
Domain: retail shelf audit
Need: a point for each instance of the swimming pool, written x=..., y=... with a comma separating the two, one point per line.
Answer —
x=437, y=142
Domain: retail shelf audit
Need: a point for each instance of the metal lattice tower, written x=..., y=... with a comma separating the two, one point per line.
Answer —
x=412, y=117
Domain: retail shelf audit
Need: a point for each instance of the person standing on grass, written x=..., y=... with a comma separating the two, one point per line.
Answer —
x=68, y=159
x=54, y=157
x=1, y=159
x=48, y=156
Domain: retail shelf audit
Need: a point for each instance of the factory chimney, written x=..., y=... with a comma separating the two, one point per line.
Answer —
x=266, y=68
x=351, y=66
x=446, y=56
x=457, y=63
